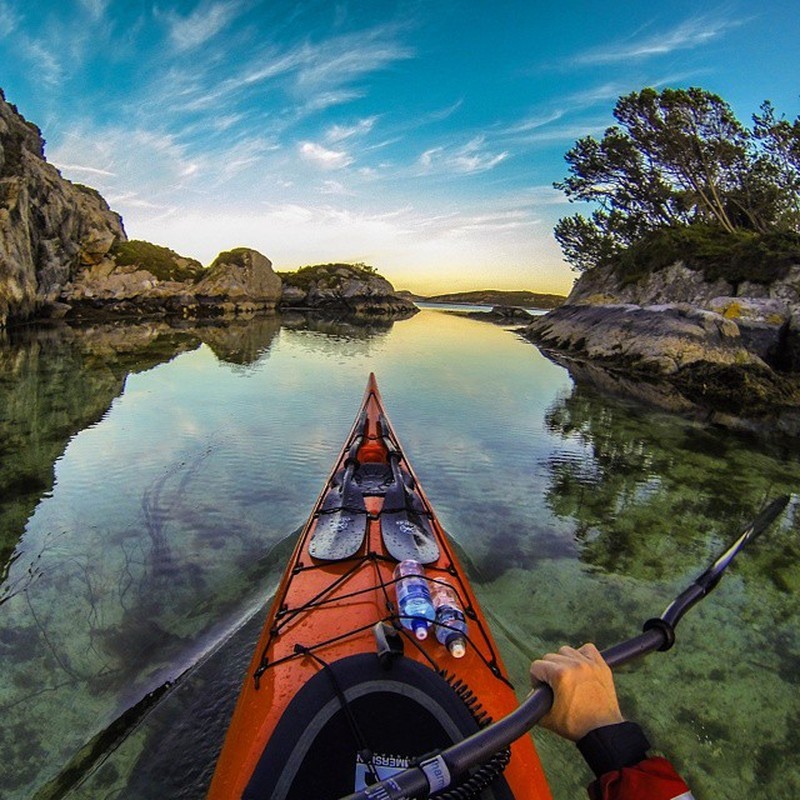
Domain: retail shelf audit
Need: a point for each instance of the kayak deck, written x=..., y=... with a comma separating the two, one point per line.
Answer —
x=338, y=690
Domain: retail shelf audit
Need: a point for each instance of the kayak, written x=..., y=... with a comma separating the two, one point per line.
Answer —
x=341, y=691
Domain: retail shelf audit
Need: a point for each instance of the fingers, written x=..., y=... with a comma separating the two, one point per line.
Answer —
x=551, y=667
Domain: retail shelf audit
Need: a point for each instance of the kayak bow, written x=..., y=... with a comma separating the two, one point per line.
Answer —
x=339, y=694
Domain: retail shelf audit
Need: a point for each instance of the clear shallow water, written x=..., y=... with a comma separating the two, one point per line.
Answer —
x=147, y=473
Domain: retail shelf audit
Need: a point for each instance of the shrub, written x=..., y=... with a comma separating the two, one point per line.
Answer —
x=163, y=263
x=734, y=257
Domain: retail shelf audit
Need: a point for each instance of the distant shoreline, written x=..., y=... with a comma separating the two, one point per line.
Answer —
x=493, y=297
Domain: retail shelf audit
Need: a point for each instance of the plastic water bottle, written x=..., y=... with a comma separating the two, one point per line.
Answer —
x=414, y=602
x=451, y=627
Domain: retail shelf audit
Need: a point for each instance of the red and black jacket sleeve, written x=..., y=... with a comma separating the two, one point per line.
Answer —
x=617, y=754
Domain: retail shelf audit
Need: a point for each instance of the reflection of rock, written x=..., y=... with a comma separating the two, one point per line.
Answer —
x=346, y=288
x=241, y=341
x=350, y=326
x=57, y=381
x=737, y=398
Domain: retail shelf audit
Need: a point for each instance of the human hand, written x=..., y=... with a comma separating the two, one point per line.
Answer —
x=583, y=686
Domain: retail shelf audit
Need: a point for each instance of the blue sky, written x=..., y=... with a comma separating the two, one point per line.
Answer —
x=421, y=137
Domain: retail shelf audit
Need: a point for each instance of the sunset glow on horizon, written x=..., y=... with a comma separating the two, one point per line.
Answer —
x=423, y=139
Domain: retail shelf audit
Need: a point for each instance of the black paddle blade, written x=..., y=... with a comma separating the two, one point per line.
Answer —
x=407, y=534
x=338, y=535
x=712, y=575
x=405, y=528
x=342, y=522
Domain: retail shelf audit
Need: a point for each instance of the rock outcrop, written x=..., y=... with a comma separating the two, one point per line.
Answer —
x=50, y=228
x=659, y=339
x=240, y=280
x=765, y=317
x=734, y=349
x=353, y=289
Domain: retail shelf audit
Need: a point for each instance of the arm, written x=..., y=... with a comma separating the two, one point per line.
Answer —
x=586, y=711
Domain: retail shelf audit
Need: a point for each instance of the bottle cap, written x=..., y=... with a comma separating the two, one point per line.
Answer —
x=420, y=629
x=457, y=648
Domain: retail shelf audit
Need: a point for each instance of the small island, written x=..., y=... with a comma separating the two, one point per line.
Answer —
x=689, y=263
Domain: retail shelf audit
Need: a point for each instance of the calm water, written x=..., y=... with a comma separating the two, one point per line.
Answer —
x=151, y=476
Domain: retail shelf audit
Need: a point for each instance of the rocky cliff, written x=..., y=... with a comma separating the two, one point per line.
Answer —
x=731, y=347
x=64, y=253
x=353, y=289
x=50, y=229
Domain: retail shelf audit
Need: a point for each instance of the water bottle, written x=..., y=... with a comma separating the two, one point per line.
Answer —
x=451, y=627
x=414, y=604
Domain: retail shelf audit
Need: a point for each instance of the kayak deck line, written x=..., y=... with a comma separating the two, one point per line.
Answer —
x=285, y=616
x=338, y=688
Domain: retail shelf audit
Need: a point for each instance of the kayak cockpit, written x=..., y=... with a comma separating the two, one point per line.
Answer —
x=357, y=721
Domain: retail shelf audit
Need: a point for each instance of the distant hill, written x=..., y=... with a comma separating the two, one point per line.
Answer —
x=494, y=297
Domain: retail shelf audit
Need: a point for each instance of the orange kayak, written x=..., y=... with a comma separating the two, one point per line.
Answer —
x=340, y=692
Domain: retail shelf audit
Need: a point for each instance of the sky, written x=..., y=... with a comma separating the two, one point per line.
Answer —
x=420, y=137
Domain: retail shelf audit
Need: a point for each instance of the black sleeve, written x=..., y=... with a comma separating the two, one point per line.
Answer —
x=613, y=747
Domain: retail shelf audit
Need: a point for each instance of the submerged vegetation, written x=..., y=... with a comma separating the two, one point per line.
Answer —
x=679, y=176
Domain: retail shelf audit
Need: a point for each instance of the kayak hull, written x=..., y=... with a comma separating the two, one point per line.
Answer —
x=318, y=664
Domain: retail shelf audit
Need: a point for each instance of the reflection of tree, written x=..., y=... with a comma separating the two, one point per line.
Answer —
x=645, y=489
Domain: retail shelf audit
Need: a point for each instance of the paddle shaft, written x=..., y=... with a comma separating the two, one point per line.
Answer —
x=457, y=760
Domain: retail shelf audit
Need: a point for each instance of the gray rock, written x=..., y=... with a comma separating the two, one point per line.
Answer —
x=241, y=278
x=658, y=339
x=49, y=227
x=343, y=288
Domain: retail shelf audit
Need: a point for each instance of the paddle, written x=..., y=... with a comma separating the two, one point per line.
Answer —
x=342, y=517
x=405, y=528
x=437, y=771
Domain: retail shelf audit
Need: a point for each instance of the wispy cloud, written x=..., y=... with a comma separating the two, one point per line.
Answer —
x=343, y=60
x=693, y=33
x=8, y=19
x=339, y=133
x=324, y=158
x=471, y=158
x=96, y=8
x=84, y=169
x=48, y=66
x=205, y=22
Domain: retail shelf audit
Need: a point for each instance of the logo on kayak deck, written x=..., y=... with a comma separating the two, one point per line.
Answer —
x=385, y=765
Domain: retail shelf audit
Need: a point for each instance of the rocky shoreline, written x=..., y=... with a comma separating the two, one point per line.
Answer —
x=64, y=253
x=729, y=352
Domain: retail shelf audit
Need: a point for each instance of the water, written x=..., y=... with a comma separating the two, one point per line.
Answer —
x=152, y=478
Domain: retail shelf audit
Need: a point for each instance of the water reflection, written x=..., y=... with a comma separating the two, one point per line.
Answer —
x=201, y=447
x=647, y=489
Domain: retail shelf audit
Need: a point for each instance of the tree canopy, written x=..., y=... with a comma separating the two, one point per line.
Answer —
x=679, y=158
